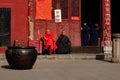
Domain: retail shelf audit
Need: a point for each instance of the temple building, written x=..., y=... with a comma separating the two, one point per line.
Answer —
x=26, y=20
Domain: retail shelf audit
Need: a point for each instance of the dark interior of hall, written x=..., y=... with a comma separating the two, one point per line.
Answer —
x=115, y=16
x=90, y=11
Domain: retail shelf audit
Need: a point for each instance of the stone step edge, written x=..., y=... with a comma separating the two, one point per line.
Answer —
x=68, y=57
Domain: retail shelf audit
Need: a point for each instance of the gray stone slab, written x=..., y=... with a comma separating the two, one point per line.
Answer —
x=64, y=70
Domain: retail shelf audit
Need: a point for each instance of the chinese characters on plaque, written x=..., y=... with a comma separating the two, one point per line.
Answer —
x=57, y=15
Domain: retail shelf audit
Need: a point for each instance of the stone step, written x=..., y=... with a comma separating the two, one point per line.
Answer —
x=87, y=49
x=73, y=56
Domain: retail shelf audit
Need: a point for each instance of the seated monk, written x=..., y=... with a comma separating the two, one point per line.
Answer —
x=63, y=43
x=49, y=42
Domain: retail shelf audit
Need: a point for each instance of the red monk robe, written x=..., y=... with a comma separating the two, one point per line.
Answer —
x=49, y=42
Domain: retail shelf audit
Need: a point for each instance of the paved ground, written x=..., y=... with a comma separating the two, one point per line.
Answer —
x=63, y=70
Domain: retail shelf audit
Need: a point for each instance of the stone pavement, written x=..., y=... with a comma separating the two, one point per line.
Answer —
x=53, y=68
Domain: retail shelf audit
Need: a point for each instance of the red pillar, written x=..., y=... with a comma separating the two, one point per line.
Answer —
x=106, y=22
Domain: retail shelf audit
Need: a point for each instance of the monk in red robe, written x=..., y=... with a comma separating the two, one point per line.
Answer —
x=49, y=39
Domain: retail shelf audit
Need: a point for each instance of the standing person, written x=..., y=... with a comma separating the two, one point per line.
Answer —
x=63, y=43
x=49, y=42
x=95, y=34
x=85, y=34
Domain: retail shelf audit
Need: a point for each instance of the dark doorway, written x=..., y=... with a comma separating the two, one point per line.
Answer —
x=90, y=11
x=91, y=14
x=5, y=15
x=115, y=16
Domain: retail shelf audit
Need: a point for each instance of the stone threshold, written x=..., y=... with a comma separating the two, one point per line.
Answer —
x=75, y=56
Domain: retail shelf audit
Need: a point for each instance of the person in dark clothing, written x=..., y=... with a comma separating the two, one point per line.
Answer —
x=63, y=43
x=85, y=34
x=95, y=34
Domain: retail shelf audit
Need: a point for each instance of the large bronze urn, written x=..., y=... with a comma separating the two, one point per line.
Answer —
x=21, y=57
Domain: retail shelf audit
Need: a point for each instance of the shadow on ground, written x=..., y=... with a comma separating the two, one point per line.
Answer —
x=5, y=66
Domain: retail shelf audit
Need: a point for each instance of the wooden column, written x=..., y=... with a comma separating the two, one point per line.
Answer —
x=106, y=22
x=107, y=25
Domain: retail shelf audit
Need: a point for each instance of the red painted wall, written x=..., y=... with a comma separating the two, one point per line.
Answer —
x=72, y=28
x=19, y=21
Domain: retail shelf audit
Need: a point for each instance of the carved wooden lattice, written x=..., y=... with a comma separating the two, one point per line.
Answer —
x=54, y=6
x=75, y=7
x=64, y=8
x=5, y=16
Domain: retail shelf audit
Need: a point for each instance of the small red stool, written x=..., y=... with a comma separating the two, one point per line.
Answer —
x=37, y=44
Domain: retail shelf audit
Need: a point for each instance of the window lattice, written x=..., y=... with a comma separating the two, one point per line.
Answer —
x=64, y=8
x=75, y=7
x=54, y=6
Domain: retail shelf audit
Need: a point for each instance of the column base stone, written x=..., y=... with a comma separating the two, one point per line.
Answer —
x=115, y=60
